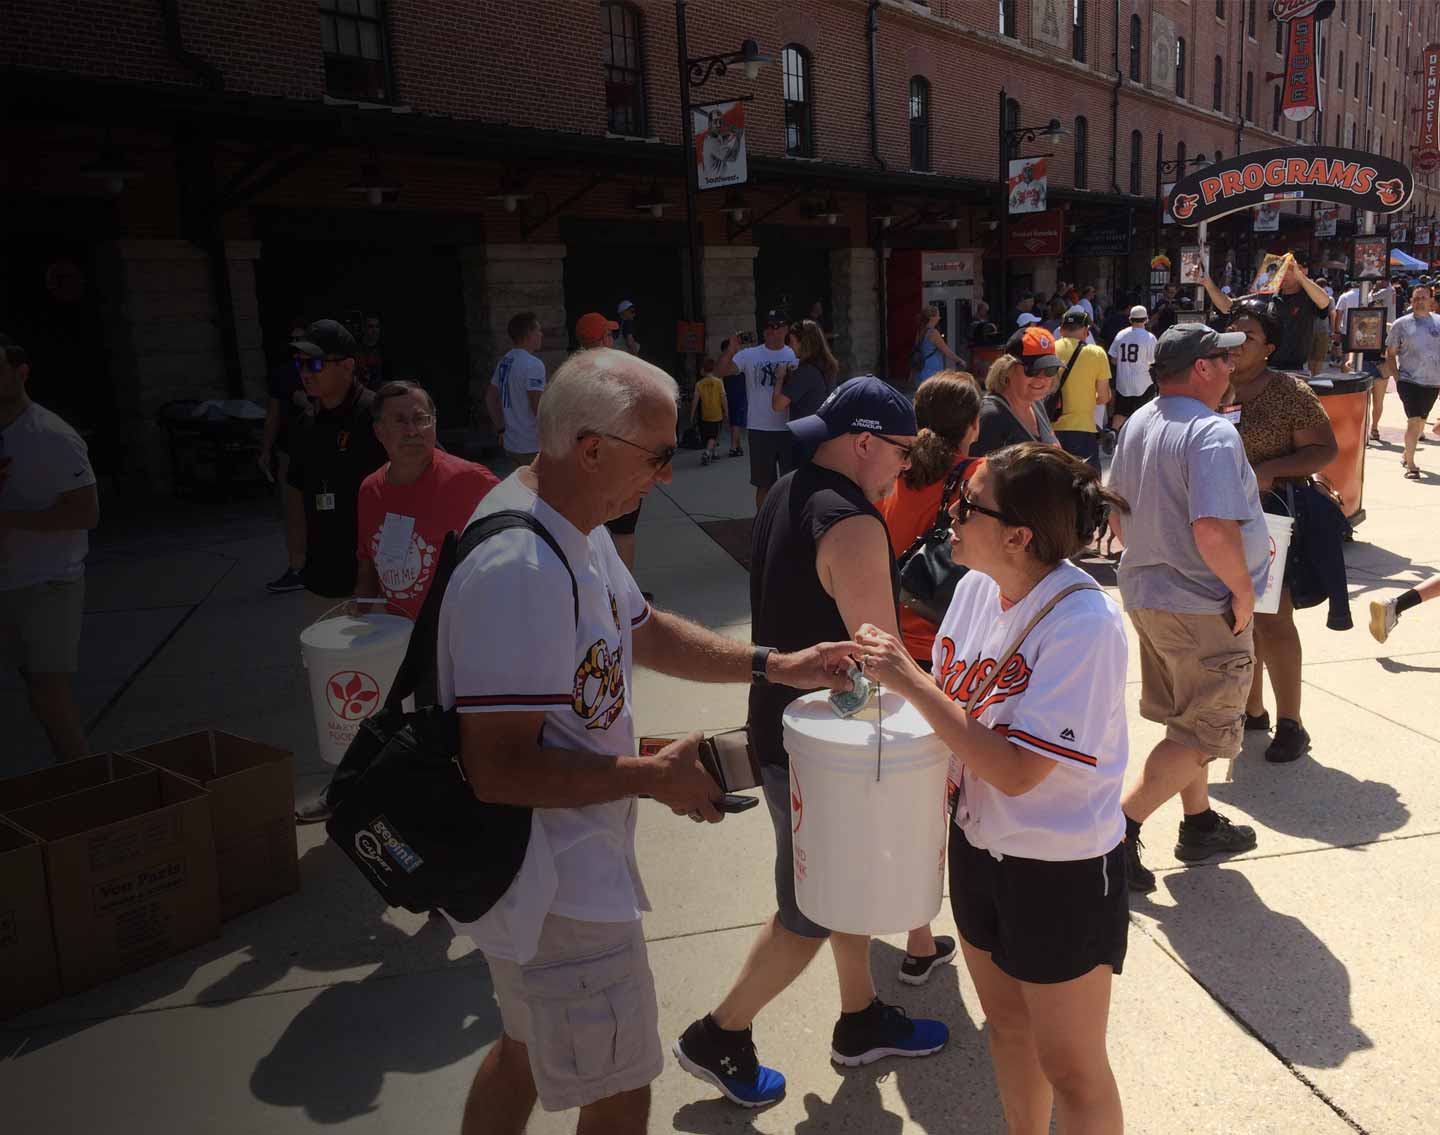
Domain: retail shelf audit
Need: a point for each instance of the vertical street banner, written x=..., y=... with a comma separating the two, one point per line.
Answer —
x=1427, y=152
x=1422, y=236
x=1267, y=218
x=1326, y=217
x=719, y=136
x=1029, y=185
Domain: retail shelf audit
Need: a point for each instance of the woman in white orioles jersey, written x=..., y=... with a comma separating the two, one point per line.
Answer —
x=1037, y=863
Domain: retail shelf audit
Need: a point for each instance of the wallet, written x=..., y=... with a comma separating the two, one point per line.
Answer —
x=728, y=757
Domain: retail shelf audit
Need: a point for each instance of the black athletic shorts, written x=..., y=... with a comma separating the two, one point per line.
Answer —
x=624, y=525
x=1039, y=921
x=1418, y=400
x=772, y=455
x=1125, y=405
x=709, y=431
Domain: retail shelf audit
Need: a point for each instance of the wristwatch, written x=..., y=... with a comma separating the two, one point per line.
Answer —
x=757, y=665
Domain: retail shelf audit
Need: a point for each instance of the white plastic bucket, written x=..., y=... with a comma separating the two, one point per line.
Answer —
x=869, y=854
x=352, y=660
x=1268, y=601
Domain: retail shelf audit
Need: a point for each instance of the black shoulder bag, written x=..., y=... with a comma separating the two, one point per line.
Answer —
x=927, y=574
x=1055, y=401
x=401, y=808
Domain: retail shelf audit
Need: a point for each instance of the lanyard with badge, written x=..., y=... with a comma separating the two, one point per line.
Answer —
x=324, y=499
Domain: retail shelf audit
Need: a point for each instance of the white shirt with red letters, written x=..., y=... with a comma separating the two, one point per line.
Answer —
x=1063, y=697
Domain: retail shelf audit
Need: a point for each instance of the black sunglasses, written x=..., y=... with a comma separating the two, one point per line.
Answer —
x=658, y=458
x=964, y=506
x=903, y=448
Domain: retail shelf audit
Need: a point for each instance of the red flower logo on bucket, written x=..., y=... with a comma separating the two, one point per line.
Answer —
x=352, y=695
x=797, y=804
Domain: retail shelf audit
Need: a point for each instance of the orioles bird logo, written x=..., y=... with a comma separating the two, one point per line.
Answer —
x=1390, y=191
x=1182, y=205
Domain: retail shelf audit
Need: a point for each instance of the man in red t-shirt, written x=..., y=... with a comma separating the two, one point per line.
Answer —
x=408, y=505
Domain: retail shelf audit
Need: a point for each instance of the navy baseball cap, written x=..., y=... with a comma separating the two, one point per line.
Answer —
x=861, y=405
x=326, y=337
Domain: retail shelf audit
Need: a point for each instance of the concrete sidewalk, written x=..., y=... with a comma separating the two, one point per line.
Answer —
x=1272, y=993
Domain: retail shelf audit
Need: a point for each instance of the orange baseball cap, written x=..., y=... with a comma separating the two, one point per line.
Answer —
x=591, y=327
x=1035, y=347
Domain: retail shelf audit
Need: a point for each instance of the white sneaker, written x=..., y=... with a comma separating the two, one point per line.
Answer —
x=1383, y=618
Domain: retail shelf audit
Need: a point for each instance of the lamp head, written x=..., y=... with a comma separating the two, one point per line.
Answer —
x=751, y=58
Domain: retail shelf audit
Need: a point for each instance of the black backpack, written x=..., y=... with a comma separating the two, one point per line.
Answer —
x=401, y=808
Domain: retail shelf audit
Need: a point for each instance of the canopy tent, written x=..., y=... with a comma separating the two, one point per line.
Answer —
x=1406, y=262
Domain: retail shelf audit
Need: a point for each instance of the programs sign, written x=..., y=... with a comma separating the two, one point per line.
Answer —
x=1367, y=182
x=719, y=137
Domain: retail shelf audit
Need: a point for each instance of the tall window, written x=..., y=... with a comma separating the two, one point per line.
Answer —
x=1135, y=36
x=1342, y=11
x=1180, y=156
x=1324, y=45
x=1218, y=96
x=799, y=113
x=1355, y=91
x=1249, y=96
x=1279, y=33
x=1219, y=157
x=1382, y=97
x=1219, y=9
x=1251, y=25
x=919, y=123
x=1009, y=24
x=357, y=63
x=1082, y=153
x=1370, y=89
x=1340, y=70
x=1136, y=145
x=1275, y=111
x=1319, y=130
x=624, y=69
x=1077, y=42
x=1180, y=67
x=1339, y=132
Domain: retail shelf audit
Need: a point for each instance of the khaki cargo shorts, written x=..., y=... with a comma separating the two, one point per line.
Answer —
x=40, y=627
x=1195, y=677
x=585, y=1007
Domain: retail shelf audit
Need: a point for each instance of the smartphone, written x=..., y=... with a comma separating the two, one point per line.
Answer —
x=747, y=338
x=732, y=803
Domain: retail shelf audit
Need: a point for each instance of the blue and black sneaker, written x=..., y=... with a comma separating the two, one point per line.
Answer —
x=726, y=1058
x=884, y=1030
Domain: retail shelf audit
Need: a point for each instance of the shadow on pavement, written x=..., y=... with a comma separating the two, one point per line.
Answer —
x=1309, y=799
x=953, y=1090
x=333, y=1057
x=1395, y=666
x=1268, y=969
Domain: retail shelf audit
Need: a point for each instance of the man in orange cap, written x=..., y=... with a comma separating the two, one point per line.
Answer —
x=594, y=330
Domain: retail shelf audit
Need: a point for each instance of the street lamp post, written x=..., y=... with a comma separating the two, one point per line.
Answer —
x=695, y=73
x=1011, y=139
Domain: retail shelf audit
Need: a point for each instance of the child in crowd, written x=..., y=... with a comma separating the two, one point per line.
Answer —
x=712, y=406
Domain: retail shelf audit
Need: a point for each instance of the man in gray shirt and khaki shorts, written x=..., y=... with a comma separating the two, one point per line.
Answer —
x=1197, y=553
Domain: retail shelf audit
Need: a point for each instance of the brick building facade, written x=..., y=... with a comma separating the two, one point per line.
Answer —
x=186, y=177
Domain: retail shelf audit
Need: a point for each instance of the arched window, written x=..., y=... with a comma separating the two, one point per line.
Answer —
x=1082, y=153
x=1324, y=46
x=919, y=123
x=1250, y=29
x=1249, y=96
x=624, y=69
x=1219, y=157
x=1009, y=25
x=1135, y=35
x=1077, y=41
x=1219, y=9
x=1217, y=96
x=1180, y=67
x=1279, y=33
x=1340, y=70
x=1136, y=145
x=799, y=110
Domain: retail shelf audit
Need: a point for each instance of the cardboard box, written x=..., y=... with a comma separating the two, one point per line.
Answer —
x=131, y=871
x=29, y=972
x=252, y=808
x=18, y=792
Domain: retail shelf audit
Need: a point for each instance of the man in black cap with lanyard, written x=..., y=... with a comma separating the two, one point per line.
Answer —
x=333, y=450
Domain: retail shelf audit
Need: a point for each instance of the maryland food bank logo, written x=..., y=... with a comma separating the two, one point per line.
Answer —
x=352, y=695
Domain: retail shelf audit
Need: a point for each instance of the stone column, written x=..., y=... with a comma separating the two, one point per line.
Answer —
x=163, y=340
x=856, y=315
x=501, y=280
x=729, y=282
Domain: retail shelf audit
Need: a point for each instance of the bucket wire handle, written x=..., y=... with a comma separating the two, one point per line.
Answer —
x=879, y=727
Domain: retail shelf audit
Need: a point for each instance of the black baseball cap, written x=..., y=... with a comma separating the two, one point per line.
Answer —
x=776, y=315
x=1185, y=342
x=861, y=405
x=1075, y=317
x=326, y=337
